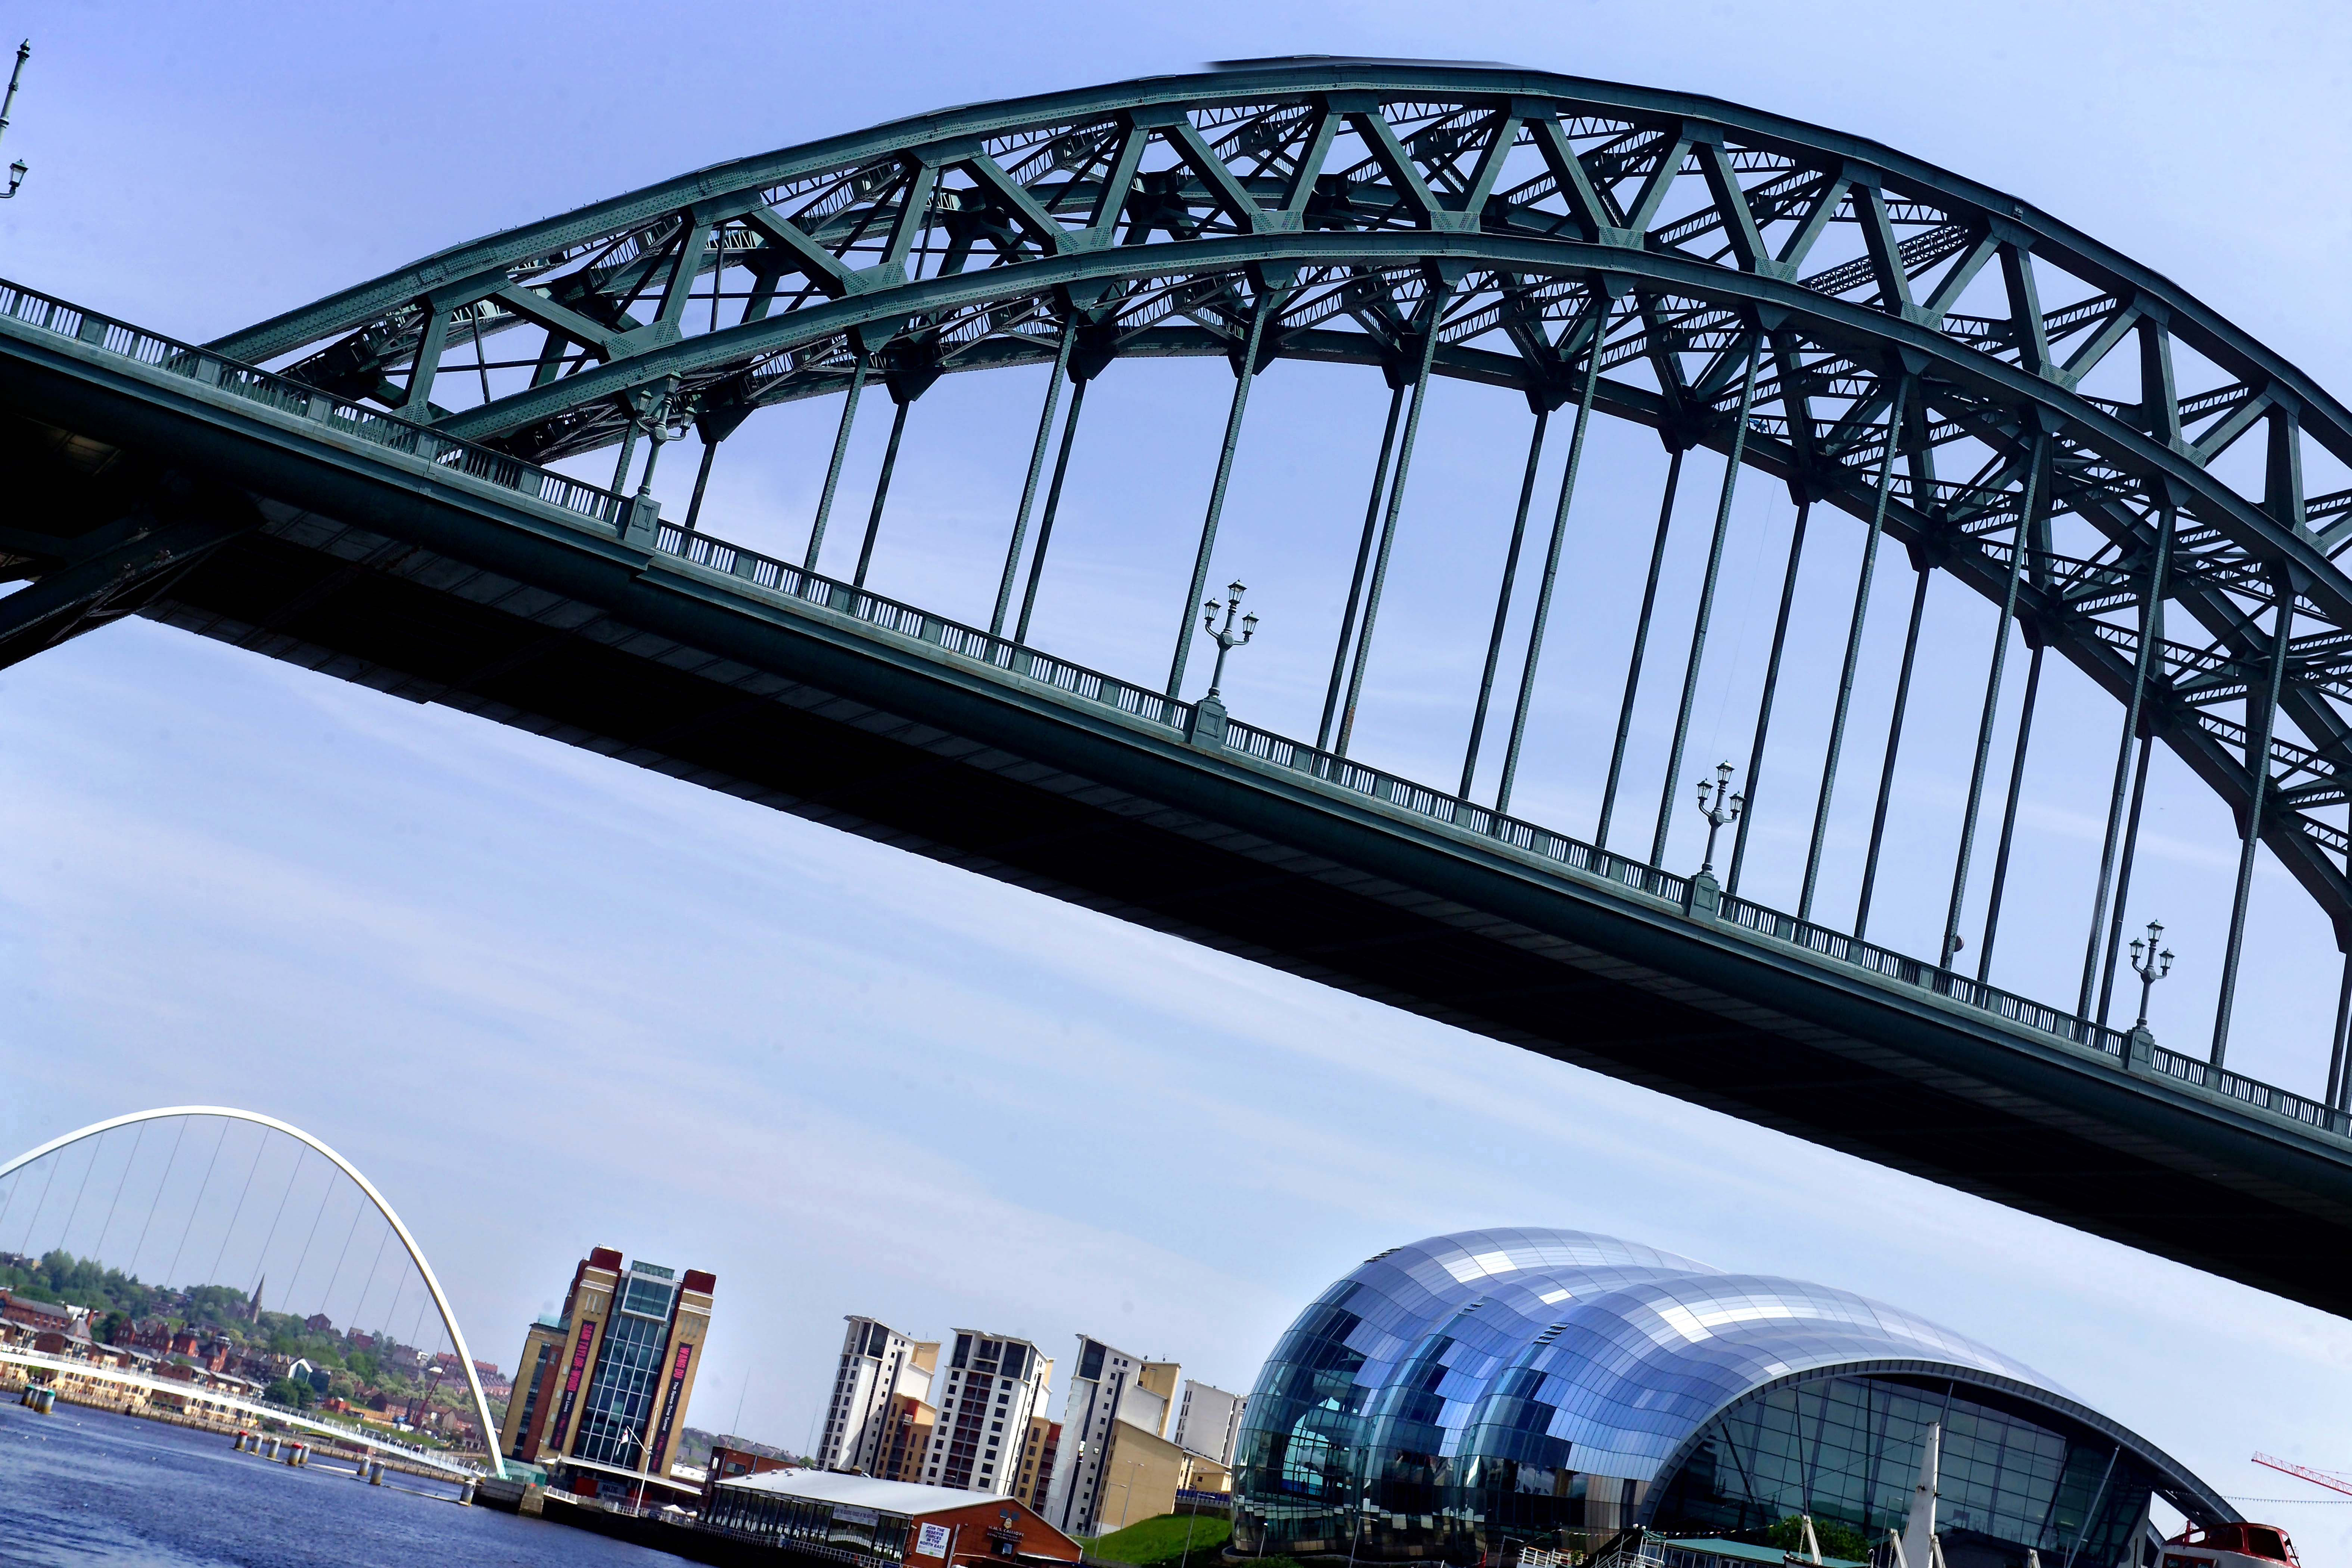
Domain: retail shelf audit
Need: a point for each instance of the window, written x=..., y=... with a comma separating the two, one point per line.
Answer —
x=621, y=1393
x=647, y=1298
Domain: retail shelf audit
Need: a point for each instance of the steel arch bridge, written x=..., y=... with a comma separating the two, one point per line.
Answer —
x=2051, y=425
x=367, y=1190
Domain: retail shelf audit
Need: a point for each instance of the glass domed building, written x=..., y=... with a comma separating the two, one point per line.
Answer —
x=1467, y=1391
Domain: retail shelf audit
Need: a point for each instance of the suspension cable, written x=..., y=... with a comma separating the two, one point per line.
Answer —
x=296, y=1277
x=202, y=1187
x=138, y=1141
x=261, y=1261
x=156, y=1201
x=74, y=1212
x=238, y=1213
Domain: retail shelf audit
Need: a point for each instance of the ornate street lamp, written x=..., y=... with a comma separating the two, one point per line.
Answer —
x=1226, y=638
x=18, y=169
x=2149, y=965
x=1718, y=806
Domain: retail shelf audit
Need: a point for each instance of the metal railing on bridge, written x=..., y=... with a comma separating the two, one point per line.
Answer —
x=783, y=577
x=289, y=396
x=580, y=501
x=251, y=1403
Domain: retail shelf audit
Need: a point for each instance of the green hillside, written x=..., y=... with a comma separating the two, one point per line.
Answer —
x=1159, y=1542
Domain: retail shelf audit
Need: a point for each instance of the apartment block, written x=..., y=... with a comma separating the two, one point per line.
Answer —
x=910, y=1425
x=879, y=1365
x=1209, y=1422
x=986, y=1395
x=1114, y=1394
x=1035, y=1475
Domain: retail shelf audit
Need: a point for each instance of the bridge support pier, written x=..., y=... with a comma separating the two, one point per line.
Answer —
x=1703, y=897
x=1208, y=726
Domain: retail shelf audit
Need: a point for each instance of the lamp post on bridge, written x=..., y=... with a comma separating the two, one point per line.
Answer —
x=18, y=169
x=1208, y=727
x=1225, y=639
x=2150, y=966
x=1720, y=806
x=1722, y=810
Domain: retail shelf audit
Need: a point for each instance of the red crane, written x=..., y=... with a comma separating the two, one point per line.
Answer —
x=2333, y=1480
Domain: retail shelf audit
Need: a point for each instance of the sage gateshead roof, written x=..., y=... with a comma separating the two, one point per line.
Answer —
x=1467, y=1390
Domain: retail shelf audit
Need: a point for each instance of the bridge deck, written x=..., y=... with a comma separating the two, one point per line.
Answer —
x=422, y=568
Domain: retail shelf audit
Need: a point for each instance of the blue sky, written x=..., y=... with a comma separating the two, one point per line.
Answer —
x=549, y=1002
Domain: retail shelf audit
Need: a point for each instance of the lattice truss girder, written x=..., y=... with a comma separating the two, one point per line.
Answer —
x=1525, y=219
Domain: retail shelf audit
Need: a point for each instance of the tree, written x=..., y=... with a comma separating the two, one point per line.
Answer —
x=59, y=1275
x=291, y=1391
x=1836, y=1540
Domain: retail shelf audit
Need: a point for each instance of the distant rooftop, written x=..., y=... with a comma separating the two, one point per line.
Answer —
x=1276, y=61
x=904, y=1499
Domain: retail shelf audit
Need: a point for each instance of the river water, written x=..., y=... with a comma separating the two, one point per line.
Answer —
x=88, y=1486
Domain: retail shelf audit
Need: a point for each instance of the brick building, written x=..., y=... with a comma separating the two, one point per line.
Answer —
x=892, y=1521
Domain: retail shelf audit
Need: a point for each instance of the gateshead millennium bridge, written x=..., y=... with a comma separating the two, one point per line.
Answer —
x=17, y=1182
x=371, y=486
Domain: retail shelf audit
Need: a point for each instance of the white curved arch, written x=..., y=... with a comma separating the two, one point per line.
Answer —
x=440, y=1301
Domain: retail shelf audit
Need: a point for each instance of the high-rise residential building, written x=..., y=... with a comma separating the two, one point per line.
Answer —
x=1094, y=1486
x=1035, y=1475
x=986, y=1395
x=879, y=1365
x=909, y=1423
x=601, y=1388
x=1209, y=1421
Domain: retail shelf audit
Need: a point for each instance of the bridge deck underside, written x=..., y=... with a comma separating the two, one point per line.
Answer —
x=1341, y=909
x=381, y=571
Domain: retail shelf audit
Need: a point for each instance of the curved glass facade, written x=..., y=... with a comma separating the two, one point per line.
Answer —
x=1468, y=1390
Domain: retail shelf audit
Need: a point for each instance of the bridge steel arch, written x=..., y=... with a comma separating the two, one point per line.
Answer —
x=408, y=1242
x=1732, y=279
x=1350, y=211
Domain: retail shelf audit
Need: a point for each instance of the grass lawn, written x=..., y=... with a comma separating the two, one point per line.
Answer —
x=1159, y=1542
